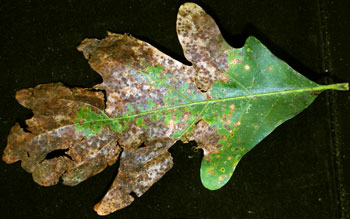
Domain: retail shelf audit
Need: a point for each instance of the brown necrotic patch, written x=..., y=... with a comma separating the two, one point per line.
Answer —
x=139, y=169
x=52, y=129
x=137, y=79
x=124, y=62
x=203, y=45
x=206, y=137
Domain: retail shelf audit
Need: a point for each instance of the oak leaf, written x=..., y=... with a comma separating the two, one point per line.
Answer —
x=227, y=101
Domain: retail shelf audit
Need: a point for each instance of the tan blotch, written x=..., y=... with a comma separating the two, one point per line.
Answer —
x=238, y=123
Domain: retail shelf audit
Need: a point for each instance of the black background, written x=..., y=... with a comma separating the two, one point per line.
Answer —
x=301, y=170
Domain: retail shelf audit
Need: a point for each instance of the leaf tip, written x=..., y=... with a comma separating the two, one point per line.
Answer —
x=213, y=178
x=343, y=86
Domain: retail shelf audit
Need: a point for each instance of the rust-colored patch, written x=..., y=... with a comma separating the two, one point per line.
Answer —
x=206, y=138
x=52, y=128
x=137, y=78
x=136, y=174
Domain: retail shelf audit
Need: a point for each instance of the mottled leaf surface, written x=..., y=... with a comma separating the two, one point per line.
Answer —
x=227, y=101
x=53, y=129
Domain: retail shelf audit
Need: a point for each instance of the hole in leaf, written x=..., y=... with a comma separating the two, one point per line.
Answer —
x=202, y=90
x=104, y=96
x=142, y=145
x=133, y=194
x=58, y=153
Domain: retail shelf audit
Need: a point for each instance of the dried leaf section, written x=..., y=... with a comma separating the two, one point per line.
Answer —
x=227, y=101
x=53, y=128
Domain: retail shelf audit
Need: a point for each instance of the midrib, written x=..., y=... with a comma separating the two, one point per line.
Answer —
x=341, y=86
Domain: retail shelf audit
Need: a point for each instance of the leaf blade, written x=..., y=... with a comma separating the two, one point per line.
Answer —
x=228, y=100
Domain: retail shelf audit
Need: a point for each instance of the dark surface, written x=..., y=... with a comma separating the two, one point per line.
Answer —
x=301, y=170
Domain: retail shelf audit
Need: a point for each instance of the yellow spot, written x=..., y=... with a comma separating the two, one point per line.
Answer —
x=256, y=127
x=235, y=61
x=249, y=50
x=238, y=123
x=246, y=67
x=171, y=124
x=242, y=148
x=222, y=169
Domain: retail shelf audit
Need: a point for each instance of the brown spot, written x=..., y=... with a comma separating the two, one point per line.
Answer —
x=211, y=172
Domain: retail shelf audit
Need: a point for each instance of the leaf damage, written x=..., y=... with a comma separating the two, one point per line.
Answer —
x=227, y=101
